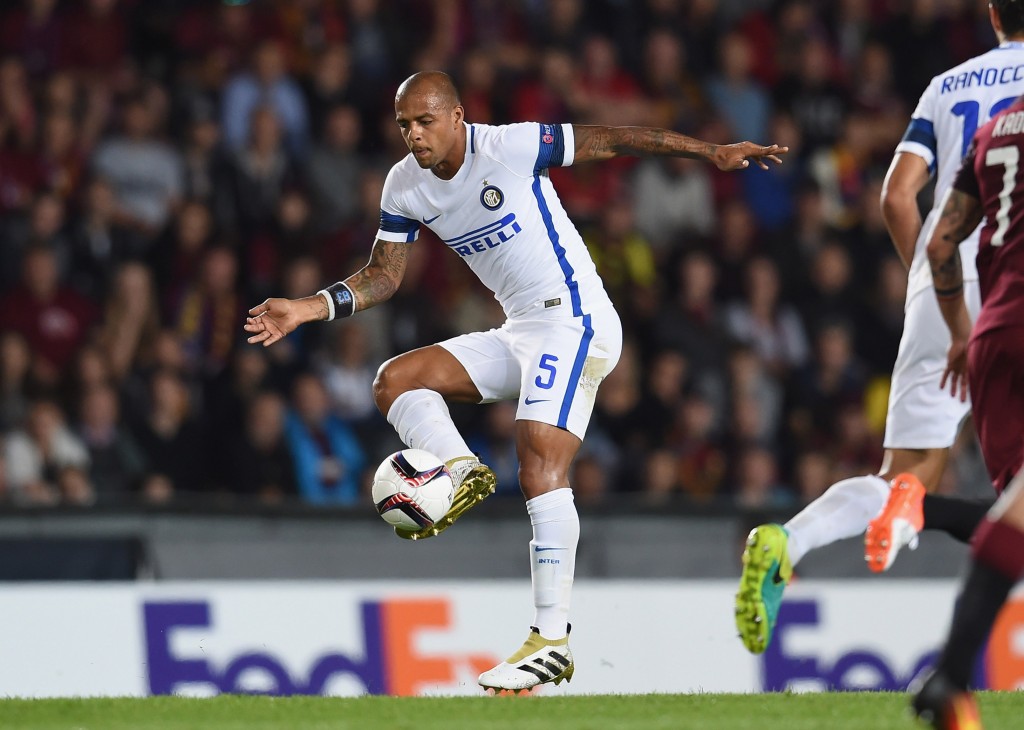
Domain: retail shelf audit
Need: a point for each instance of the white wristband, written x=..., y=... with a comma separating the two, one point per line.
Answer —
x=330, y=303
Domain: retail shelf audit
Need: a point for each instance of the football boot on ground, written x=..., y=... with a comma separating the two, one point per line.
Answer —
x=945, y=706
x=897, y=525
x=474, y=483
x=538, y=661
x=766, y=571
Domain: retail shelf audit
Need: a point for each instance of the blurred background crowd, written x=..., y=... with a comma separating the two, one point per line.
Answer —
x=167, y=164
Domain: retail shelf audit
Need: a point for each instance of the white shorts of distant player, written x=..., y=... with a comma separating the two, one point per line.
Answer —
x=549, y=360
x=921, y=414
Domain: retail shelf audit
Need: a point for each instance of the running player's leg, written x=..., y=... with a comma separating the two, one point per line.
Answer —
x=921, y=424
x=997, y=385
x=922, y=417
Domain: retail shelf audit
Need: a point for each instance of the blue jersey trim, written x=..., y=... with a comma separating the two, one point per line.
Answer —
x=472, y=139
x=922, y=132
x=577, y=371
x=399, y=224
x=567, y=270
x=551, y=148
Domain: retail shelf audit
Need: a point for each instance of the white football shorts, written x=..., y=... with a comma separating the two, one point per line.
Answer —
x=549, y=360
x=921, y=414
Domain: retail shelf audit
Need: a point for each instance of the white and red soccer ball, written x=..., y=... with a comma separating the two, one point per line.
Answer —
x=412, y=489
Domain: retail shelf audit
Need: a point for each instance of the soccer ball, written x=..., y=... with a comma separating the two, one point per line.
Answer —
x=412, y=489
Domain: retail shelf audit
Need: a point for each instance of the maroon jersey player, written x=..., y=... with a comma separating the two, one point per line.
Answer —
x=989, y=186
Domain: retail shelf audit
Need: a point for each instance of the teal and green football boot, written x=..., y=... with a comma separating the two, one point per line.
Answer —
x=766, y=571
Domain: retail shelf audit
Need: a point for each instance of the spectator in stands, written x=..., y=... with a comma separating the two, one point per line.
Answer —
x=33, y=33
x=45, y=460
x=203, y=159
x=15, y=379
x=44, y=227
x=751, y=383
x=98, y=242
x=735, y=94
x=267, y=85
x=334, y=169
x=18, y=120
x=812, y=475
x=258, y=462
x=348, y=371
x=328, y=459
x=131, y=318
x=622, y=255
x=766, y=323
x=146, y=174
x=835, y=377
x=691, y=323
x=832, y=293
x=53, y=318
x=171, y=440
x=673, y=202
x=116, y=462
x=757, y=485
x=205, y=316
x=330, y=86
x=178, y=258
x=259, y=173
x=676, y=98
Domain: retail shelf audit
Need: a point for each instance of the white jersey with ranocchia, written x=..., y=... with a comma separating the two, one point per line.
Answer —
x=949, y=112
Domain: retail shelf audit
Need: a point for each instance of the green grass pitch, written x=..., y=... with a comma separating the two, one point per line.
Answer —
x=855, y=711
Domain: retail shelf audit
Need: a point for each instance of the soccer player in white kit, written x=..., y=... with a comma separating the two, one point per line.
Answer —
x=484, y=190
x=922, y=423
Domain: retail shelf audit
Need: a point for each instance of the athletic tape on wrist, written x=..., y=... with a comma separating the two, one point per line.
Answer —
x=340, y=300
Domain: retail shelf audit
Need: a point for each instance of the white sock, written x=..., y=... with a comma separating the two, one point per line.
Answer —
x=843, y=511
x=422, y=420
x=556, y=531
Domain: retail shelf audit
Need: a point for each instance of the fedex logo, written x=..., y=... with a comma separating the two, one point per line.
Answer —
x=390, y=663
x=856, y=669
x=1001, y=665
x=483, y=239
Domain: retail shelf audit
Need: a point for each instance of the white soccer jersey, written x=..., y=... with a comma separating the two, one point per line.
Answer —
x=501, y=214
x=951, y=109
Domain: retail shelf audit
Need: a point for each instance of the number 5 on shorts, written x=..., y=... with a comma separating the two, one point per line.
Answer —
x=546, y=365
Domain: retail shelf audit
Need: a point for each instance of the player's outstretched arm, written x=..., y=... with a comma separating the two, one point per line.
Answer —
x=961, y=214
x=376, y=282
x=604, y=143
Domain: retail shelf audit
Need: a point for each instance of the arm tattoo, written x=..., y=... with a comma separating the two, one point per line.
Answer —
x=960, y=216
x=379, y=279
x=603, y=143
x=948, y=276
x=321, y=309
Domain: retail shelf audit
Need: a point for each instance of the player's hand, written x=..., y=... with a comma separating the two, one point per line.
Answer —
x=956, y=370
x=272, y=320
x=738, y=156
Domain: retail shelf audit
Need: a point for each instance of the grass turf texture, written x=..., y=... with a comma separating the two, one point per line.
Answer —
x=853, y=711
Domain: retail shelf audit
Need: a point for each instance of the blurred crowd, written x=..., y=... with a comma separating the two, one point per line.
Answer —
x=167, y=164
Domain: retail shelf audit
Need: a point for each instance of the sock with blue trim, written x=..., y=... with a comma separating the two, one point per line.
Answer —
x=556, y=532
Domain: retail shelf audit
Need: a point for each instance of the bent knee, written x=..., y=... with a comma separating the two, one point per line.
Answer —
x=388, y=385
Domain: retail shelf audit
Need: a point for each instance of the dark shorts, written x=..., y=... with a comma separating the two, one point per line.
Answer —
x=995, y=362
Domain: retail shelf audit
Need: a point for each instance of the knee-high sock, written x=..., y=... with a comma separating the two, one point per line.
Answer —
x=556, y=532
x=843, y=511
x=422, y=421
